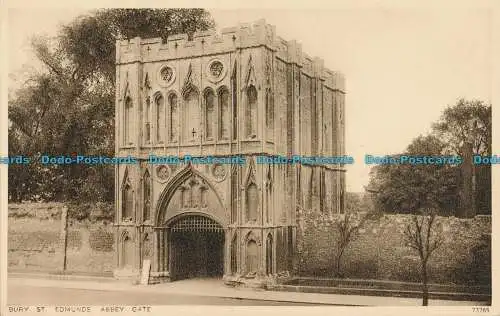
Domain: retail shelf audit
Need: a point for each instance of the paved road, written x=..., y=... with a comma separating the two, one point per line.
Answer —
x=32, y=295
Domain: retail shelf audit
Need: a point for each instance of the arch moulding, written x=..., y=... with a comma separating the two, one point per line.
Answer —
x=162, y=218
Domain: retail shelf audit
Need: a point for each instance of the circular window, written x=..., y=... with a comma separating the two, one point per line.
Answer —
x=216, y=70
x=166, y=76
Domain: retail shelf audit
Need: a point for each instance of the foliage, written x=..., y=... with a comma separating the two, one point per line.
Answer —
x=347, y=228
x=470, y=121
x=466, y=121
x=353, y=201
x=91, y=210
x=481, y=261
x=69, y=108
x=358, y=202
x=423, y=236
x=404, y=188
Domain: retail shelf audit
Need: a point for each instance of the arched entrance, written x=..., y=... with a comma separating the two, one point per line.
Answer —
x=190, y=231
x=196, y=247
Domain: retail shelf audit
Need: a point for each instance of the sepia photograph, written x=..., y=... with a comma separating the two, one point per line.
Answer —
x=172, y=156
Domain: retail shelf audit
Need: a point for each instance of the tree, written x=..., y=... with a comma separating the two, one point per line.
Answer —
x=466, y=121
x=90, y=40
x=423, y=236
x=405, y=188
x=466, y=129
x=347, y=228
x=69, y=108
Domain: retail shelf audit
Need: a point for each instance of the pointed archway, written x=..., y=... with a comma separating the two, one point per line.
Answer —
x=196, y=244
x=189, y=191
x=190, y=226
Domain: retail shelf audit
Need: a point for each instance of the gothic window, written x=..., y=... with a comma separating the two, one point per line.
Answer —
x=191, y=116
x=252, y=260
x=268, y=202
x=127, y=251
x=269, y=113
x=251, y=112
x=147, y=196
x=209, y=114
x=147, y=121
x=234, y=195
x=224, y=113
x=160, y=118
x=127, y=120
x=127, y=201
x=234, y=255
x=325, y=136
x=174, y=117
x=269, y=197
x=269, y=255
x=252, y=202
x=234, y=90
x=187, y=196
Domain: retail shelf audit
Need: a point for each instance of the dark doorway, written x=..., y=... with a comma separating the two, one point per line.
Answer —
x=197, y=248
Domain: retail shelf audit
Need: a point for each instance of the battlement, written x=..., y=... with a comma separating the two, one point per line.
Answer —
x=201, y=43
x=229, y=39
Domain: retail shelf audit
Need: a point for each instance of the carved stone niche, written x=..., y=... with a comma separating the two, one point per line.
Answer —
x=251, y=236
x=193, y=194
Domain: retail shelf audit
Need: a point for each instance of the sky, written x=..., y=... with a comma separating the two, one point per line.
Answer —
x=402, y=66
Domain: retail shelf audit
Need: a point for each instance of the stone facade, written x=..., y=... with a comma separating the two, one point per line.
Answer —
x=244, y=92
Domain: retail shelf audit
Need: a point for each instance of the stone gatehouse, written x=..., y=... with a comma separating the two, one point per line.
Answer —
x=243, y=92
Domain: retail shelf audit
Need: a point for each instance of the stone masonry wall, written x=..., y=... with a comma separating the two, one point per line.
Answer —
x=377, y=252
x=380, y=252
x=35, y=244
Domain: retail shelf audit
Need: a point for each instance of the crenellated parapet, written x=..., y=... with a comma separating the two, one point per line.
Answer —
x=202, y=43
x=228, y=40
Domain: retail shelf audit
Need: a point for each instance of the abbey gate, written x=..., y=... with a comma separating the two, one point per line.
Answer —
x=244, y=92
